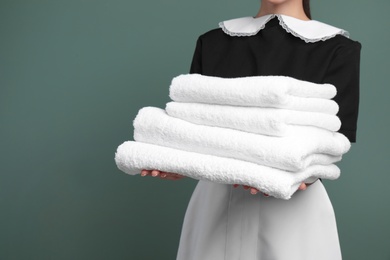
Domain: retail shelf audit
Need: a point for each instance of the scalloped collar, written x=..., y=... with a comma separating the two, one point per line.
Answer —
x=309, y=31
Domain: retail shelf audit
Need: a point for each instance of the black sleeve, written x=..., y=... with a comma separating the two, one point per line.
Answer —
x=196, y=64
x=343, y=73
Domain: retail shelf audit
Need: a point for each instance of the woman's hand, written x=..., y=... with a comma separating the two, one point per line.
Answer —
x=254, y=191
x=162, y=175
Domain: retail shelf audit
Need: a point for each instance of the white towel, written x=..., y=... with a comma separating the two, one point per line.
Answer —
x=131, y=157
x=262, y=91
x=258, y=120
x=306, y=146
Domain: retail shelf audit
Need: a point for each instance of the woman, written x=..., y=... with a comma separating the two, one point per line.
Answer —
x=226, y=223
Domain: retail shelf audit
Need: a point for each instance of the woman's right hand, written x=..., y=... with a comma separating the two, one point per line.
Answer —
x=162, y=175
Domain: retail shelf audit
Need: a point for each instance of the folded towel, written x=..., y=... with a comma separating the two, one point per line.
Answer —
x=261, y=91
x=258, y=120
x=304, y=147
x=131, y=157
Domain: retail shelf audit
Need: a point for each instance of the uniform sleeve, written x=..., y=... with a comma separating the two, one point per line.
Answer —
x=344, y=74
x=196, y=64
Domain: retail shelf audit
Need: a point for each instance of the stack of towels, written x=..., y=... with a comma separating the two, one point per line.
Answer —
x=268, y=132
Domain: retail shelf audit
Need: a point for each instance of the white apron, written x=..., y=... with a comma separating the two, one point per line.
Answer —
x=226, y=223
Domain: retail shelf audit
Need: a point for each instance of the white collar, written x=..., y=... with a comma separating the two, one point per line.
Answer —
x=309, y=31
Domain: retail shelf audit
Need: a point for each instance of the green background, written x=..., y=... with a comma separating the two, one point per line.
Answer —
x=73, y=75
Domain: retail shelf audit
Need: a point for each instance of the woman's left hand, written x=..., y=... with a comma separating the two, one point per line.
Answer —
x=254, y=191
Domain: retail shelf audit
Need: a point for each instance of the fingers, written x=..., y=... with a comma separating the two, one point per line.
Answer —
x=302, y=186
x=155, y=173
x=145, y=173
x=252, y=190
x=171, y=176
x=161, y=174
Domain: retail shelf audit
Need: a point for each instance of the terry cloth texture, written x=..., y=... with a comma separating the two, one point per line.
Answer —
x=131, y=157
x=306, y=146
x=258, y=120
x=268, y=132
x=262, y=91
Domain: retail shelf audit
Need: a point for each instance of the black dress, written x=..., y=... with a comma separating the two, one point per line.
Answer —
x=222, y=222
x=273, y=51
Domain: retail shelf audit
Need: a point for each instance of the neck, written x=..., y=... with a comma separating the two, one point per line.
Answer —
x=293, y=8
